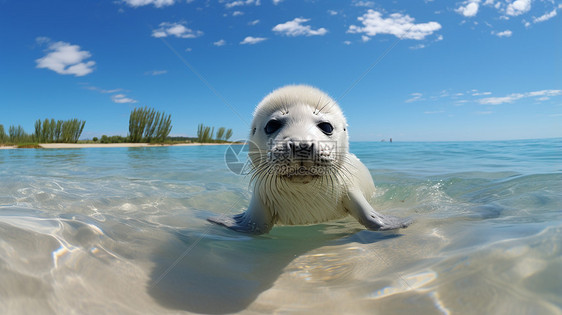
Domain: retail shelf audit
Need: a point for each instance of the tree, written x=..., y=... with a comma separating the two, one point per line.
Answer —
x=3, y=136
x=164, y=127
x=228, y=134
x=205, y=133
x=38, y=130
x=68, y=131
x=148, y=124
x=46, y=130
x=220, y=133
x=18, y=135
x=58, y=130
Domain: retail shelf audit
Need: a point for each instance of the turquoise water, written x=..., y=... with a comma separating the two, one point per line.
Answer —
x=123, y=230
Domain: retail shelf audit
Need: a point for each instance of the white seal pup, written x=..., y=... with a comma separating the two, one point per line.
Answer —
x=302, y=170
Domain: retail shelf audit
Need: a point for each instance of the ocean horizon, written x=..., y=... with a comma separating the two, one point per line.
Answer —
x=124, y=230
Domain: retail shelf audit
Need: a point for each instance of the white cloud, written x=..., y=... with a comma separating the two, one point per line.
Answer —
x=156, y=3
x=419, y=46
x=175, y=29
x=480, y=93
x=254, y=22
x=513, y=8
x=506, y=33
x=237, y=13
x=219, y=43
x=545, y=93
x=518, y=7
x=332, y=12
x=501, y=100
x=42, y=40
x=545, y=17
x=239, y=3
x=401, y=26
x=543, y=96
x=460, y=102
x=252, y=40
x=189, y=49
x=368, y=4
x=347, y=42
x=97, y=89
x=276, y=2
x=122, y=99
x=469, y=8
x=295, y=28
x=365, y=38
x=64, y=58
x=111, y=91
x=156, y=72
x=415, y=97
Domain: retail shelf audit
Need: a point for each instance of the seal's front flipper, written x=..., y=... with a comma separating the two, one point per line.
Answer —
x=361, y=210
x=256, y=220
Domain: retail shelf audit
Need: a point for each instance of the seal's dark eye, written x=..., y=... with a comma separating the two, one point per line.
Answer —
x=272, y=126
x=326, y=127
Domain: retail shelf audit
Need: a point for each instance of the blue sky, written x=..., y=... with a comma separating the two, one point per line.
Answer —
x=411, y=70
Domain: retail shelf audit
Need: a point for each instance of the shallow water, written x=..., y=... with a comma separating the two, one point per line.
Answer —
x=123, y=230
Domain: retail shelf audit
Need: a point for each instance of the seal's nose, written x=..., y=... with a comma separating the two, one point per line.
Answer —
x=301, y=149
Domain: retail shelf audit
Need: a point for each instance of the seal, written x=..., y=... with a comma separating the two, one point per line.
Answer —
x=302, y=171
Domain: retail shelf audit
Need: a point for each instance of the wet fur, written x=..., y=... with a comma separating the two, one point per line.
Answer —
x=336, y=185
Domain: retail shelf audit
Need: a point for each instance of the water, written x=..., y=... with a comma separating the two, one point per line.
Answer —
x=123, y=230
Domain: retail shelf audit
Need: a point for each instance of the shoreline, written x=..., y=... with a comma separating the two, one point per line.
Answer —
x=113, y=145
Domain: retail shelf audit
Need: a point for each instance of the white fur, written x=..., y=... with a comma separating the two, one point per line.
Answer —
x=329, y=186
x=292, y=202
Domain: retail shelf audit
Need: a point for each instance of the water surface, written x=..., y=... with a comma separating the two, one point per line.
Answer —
x=123, y=230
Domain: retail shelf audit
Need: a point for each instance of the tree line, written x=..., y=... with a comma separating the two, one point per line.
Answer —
x=149, y=125
x=46, y=131
x=60, y=131
x=205, y=134
x=145, y=125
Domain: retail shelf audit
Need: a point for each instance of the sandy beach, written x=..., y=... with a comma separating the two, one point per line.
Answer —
x=109, y=145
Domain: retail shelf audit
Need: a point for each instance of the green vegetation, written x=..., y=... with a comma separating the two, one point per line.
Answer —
x=18, y=135
x=228, y=134
x=220, y=133
x=145, y=125
x=148, y=125
x=113, y=139
x=3, y=135
x=182, y=139
x=28, y=146
x=67, y=131
x=205, y=134
x=45, y=131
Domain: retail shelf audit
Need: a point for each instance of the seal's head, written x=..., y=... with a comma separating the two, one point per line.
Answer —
x=298, y=134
